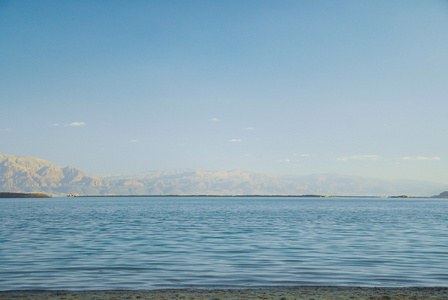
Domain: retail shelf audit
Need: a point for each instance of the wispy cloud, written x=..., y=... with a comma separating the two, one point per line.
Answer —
x=372, y=157
x=420, y=158
x=133, y=141
x=214, y=119
x=302, y=155
x=236, y=140
x=5, y=129
x=359, y=157
x=342, y=158
x=250, y=128
x=56, y=124
x=76, y=124
x=283, y=160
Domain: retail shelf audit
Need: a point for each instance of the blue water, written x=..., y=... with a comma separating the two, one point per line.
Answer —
x=153, y=243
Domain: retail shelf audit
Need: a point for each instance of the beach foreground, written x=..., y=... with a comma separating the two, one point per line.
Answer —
x=370, y=293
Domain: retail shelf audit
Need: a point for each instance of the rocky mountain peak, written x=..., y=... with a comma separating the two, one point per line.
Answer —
x=28, y=174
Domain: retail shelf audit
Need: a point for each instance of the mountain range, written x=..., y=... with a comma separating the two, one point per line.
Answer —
x=34, y=175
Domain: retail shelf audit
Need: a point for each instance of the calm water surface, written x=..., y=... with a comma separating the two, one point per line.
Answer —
x=153, y=243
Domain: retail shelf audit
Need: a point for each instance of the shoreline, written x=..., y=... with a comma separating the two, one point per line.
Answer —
x=253, y=196
x=23, y=195
x=281, y=293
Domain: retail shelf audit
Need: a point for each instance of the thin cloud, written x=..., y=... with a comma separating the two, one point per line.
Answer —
x=302, y=155
x=373, y=157
x=214, y=119
x=133, y=141
x=236, y=140
x=55, y=124
x=5, y=129
x=359, y=157
x=76, y=124
x=420, y=158
x=283, y=160
x=250, y=128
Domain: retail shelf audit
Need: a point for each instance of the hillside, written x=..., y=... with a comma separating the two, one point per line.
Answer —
x=33, y=175
x=442, y=195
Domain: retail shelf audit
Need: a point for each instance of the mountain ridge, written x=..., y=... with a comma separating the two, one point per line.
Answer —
x=30, y=174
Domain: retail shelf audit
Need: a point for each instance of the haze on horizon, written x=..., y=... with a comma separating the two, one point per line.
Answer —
x=278, y=87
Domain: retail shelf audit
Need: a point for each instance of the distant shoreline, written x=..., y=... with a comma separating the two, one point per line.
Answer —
x=42, y=195
x=23, y=195
x=211, y=196
x=256, y=196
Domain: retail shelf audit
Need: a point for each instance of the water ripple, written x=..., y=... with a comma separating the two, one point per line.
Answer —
x=147, y=243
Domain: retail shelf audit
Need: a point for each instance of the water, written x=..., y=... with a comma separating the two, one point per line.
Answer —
x=153, y=243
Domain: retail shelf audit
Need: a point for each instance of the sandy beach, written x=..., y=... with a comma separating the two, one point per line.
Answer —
x=315, y=293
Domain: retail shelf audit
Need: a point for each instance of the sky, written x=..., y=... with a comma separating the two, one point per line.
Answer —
x=278, y=87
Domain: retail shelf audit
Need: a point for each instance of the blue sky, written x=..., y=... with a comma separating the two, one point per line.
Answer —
x=279, y=87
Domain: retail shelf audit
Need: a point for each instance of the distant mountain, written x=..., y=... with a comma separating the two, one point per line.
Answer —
x=441, y=195
x=28, y=174
x=195, y=182
x=31, y=175
x=336, y=184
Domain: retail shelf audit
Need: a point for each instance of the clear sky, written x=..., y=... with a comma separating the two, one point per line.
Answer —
x=279, y=87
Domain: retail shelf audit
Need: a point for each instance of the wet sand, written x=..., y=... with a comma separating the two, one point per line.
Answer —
x=371, y=293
